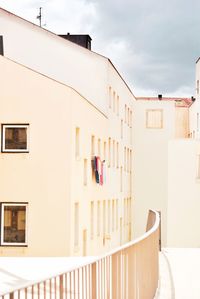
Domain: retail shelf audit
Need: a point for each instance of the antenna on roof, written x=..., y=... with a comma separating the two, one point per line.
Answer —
x=39, y=17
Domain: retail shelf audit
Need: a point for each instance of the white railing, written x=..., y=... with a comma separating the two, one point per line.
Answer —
x=129, y=272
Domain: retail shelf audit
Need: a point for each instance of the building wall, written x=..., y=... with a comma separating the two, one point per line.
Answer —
x=66, y=62
x=46, y=177
x=195, y=108
x=52, y=174
x=183, y=194
x=151, y=163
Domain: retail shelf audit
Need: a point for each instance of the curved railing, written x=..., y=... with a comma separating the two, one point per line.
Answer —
x=129, y=272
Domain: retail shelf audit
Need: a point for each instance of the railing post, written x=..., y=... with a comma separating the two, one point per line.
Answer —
x=61, y=289
x=11, y=296
x=94, y=281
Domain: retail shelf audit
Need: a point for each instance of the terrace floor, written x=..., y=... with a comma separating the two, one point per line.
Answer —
x=179, y=273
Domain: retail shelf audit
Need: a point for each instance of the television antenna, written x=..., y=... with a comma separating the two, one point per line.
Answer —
x=39, y=17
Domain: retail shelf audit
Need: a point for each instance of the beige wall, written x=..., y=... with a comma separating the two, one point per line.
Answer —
x=43, y=177
x=183, y=194
x=151, y=162
x=51, y=177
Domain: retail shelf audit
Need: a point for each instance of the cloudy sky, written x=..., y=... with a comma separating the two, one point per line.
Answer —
x=153, y=43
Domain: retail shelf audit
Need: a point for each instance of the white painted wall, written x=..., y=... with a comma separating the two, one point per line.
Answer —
x=195, y=108
x=183, y=194
x=57, y=58
x=151, y=163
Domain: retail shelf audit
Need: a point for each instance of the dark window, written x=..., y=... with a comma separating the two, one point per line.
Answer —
x=13, y=230
x=1, y=45
x=15, y=138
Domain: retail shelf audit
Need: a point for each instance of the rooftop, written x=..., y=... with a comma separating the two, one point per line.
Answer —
x=179, y=102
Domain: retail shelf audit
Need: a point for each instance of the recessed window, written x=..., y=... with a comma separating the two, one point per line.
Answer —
x=154, y=118
x=198, y=167
x=92, y=146
x=15, y=138
x=13, y=224
x=85, y=172
x=98, y=218
x=92, y=219
x=77, y=145
x=76, y=224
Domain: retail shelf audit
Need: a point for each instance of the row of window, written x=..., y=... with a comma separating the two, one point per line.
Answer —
x=113, y=101
x=15, y=138
x=128, y=116
x=113, y=152
x=104, y=217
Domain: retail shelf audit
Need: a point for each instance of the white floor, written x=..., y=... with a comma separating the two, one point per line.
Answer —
x=16, y=272
x=179, y=274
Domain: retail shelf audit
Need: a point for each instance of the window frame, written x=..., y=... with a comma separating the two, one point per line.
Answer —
x=148, y=125
x=3, y=130
x=12, y=244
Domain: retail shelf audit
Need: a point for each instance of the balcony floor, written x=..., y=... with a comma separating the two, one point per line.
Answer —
x=179, y=274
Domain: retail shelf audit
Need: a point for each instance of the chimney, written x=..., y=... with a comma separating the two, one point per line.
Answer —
x=83, y=40
x=193, y=99
x=160, y=96
x=1, y=45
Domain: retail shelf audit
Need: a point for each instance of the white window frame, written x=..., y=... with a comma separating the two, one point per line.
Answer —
x=2, y=225
x=4, y=127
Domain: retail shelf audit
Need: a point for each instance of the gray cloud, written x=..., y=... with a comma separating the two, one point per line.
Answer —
x=153, y=43
x=161, y=35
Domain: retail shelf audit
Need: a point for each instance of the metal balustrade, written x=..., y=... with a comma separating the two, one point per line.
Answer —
x=129, y=272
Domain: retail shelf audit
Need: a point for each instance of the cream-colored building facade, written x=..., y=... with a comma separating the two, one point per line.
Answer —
x=62, y=106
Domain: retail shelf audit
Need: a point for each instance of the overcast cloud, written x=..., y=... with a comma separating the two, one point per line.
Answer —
x=153, y=43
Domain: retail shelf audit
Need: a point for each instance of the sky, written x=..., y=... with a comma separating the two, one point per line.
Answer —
x=154, y=44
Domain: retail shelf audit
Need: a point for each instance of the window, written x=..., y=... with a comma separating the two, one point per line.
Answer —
x=85, y=172
x=117, y=208
x=104, y=151
x=198, y=167
x=92, y=220
x=110, y=97
x=108, y=215
x=113, y=215
x=99, y=147
x=125, y=114
x=117, y=105
x=197, y=122
x=117, y=154
x=92, y=146
x=130, y=119
x=121, y=179
x=121, y=128
x=130, y=162
x=154, y=118
x=109, y=152
x=15, y=138
x=14, y=224
x=77, y=150
x=124, y=158
x=113, y=158
x=98, y=218
x=197, y=86
x=1, y=45
x=114, y=95
x=104, y=217
x=76, y=224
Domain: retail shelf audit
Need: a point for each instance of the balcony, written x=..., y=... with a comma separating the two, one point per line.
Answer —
x=128, y=272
